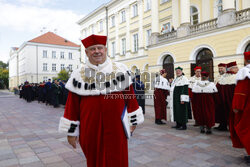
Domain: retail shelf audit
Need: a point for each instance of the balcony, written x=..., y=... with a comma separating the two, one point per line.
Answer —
x=240, y=17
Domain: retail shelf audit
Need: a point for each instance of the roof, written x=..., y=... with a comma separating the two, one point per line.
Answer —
x=52, y=38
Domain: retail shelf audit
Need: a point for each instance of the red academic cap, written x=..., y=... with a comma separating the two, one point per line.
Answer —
x=162, y=71
x=231, y=64
x=204, y=74
x=247, y=55
x=197, y=68
x=222, y=65
x=94, y=40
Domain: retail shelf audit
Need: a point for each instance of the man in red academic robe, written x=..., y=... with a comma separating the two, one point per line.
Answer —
x=204, y=99
x=240, y=131
x=98, y=93
x=161, y=92
x=221, y=115
x=192, y=82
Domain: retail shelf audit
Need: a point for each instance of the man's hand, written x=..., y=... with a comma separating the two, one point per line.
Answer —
x=72, y=141
x=182, y=102
x=235, y=110
x=132, y=128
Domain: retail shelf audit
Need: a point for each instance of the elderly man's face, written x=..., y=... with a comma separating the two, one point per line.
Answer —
x=97, y=54
x=178, y=72
x=222, y=70
x=198, y=73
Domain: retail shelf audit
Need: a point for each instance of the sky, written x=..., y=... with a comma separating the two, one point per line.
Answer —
x=23, y=20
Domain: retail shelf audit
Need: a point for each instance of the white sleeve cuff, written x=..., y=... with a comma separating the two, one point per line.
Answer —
x=185, y=98
x=71, y=128
x=136, y=117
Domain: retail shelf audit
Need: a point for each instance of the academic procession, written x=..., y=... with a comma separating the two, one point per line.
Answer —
x=192, y=57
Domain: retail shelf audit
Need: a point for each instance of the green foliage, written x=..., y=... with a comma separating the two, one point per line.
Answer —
x=4, y=78
x=3, y=65
x=63, y=75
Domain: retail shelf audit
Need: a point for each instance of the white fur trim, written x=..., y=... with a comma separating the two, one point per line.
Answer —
x=185, y=98
x=243, y=73
x=192, y=81
x=204, y=87
x=180, y=81
x=162, y=83
x=227, y=79
x=136, y=117
x=105, y=68
x=65, y=124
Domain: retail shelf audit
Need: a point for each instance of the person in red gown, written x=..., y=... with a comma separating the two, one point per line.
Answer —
x=192, y=82
x=221, y=115
x=98, y=94
x=204, y=99
x=240, y=130
x=161, y=92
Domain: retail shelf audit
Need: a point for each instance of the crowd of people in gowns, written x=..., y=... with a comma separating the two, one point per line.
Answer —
x=51, y=93
x=224, y=101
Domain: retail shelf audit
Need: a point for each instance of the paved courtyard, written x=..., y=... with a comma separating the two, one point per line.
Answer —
x=29, y=138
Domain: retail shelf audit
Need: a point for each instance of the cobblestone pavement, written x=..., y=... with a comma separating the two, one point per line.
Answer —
x=29, y=137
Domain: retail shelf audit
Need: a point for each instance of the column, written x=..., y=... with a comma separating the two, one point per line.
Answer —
x=175, y=13
x=185, y=11
x=228, y=5
x=140, y=35
x=155, y=16
x=155, y=21
x=128, y=51
x=205, y=10
x=117, y=22
x=245, y=4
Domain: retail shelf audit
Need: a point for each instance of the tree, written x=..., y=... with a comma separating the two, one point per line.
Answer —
x=4, y=78
x=3, y=65
x=63, y=75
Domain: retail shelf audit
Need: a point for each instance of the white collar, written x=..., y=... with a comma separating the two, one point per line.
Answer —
x=99, y=66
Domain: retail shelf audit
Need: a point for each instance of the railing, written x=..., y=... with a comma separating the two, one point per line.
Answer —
x=243, y=15
x=168, y=36
x=204, y=26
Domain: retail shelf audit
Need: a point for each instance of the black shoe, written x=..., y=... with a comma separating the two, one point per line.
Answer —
x=176, y=126
x=247, y=158
x=196, y=124
x=223, y=129
x=181, y=128
x=208, y=132
x=217, y=128
x=159, y=122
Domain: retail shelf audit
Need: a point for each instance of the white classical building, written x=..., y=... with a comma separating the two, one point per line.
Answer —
x=42, y=58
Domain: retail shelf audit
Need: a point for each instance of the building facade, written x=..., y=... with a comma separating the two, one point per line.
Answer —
x=42, y=58
x=153, y=34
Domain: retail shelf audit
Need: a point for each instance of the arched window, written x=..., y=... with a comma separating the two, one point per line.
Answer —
x=168, y=65
x=194, y=15
x=205, y=59
x=247, y=48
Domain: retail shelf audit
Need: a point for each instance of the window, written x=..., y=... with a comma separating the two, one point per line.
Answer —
x=148, y=5
x=113, y=49
x=62, y=67
x=123, y=42
x=112, y=21
x=135, y=39
x=100, y=26
x=194, y=15
x=135, y=10
x=53, y=54
x=70, y=67
x=148, y=36
x=45, y=54
x=123, y=16
x=165, y=28
x=219, y=7
x=53, y=67
x=62, y=55
x=70, y=56
x=45, y=67
x=45, y=79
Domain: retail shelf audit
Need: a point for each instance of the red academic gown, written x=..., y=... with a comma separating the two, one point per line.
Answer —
x=102, y=136
x=160, y=95
x=240, y=130
x=221, y=116
x=204, y=100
